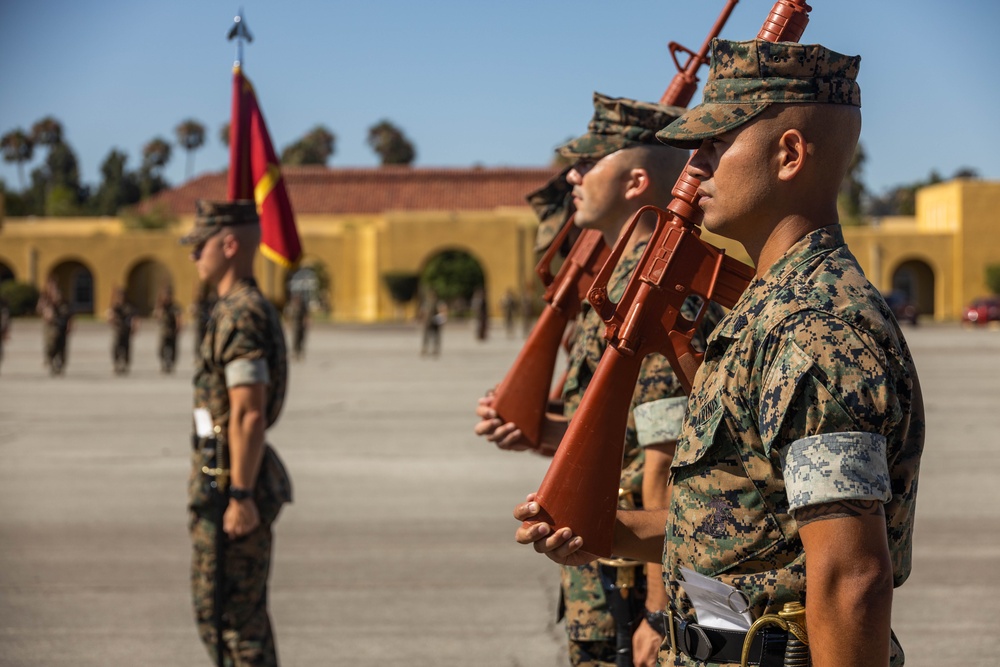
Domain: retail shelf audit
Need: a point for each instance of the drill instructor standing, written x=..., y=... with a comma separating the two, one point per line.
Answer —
x=236, y=479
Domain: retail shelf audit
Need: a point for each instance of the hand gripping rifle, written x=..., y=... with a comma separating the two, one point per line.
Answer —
x=523, y=395
x=580, y=489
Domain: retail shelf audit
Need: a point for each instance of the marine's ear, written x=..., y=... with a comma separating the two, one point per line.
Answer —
x=793, y=154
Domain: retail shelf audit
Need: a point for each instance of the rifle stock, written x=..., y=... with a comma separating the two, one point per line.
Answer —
x=523, y=394
x=579, y=490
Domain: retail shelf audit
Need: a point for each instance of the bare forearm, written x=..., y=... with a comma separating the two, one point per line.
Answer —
x=639, y=534
x=849, y=620
x=246, y=447
x=849, y=583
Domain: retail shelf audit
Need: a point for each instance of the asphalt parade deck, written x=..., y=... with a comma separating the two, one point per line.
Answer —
x=398, y=548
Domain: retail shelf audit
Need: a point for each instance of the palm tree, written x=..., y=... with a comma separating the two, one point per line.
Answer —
x=224, y=134
x=190, y=136
x=17, y=147
x=155, y=155
x=47, y=132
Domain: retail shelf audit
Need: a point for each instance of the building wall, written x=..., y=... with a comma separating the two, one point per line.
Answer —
x=953, y=234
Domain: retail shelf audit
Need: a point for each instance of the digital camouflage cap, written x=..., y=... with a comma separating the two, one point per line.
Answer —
x=747, y=77
x=619, y=123
x=212, y=216
x=553, y=205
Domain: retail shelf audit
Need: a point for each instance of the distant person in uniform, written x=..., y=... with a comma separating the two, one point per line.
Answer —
x=527, y=311
x=297, y=313
x=4, y=324
x=238, y=484
x=121, y=317
x=168, y=317
x=57, y=321
x=508, y=305
x=480, y=311
x=434, y=314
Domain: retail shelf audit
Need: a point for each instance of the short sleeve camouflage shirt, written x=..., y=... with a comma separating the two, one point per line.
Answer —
x=243, y=325
x=808, y=390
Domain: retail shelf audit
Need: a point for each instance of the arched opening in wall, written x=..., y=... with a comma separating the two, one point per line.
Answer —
x=144, y=283
x=76, y=282
x=6, y=273
x=455, y=278
x=915, y=279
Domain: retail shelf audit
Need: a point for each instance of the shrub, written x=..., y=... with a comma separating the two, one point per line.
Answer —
x=21, y=298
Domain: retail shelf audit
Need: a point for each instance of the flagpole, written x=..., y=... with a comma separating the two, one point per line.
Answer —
x=239, y=32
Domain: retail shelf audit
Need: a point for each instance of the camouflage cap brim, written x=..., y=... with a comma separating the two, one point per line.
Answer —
x=199, y=235
x=708, y=120
x=591, y=146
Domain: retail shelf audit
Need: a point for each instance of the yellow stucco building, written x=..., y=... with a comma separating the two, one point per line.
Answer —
x=362, y=224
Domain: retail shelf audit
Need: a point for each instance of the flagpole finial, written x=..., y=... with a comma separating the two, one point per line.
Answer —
x=239, y=32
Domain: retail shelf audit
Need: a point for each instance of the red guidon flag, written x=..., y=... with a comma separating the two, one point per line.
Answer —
x=254, y=174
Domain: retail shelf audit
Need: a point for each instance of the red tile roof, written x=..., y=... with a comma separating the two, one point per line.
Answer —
x=316, y=190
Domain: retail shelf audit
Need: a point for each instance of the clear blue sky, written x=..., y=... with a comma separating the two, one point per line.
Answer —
x=470, y=81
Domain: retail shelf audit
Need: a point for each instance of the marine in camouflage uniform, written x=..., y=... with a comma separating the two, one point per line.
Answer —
x=297, y=312
x=553, y=205
x=4, y=324
x=56, y=315
x=805, y=424
x=808, y=394
x=617, y=124
x=121, y=317
x=168, y=316
x=243, y=345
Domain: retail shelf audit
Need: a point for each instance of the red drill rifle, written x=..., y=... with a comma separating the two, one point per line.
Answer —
x=685, y=82
x=522, y=397
x=580, y=489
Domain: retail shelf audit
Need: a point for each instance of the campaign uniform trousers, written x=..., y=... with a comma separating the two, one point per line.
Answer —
x=249, y=641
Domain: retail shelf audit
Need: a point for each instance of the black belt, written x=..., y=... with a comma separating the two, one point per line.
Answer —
x=716, y=645
x=199, y=443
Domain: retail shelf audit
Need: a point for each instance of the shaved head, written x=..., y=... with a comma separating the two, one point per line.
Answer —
x=664, y=165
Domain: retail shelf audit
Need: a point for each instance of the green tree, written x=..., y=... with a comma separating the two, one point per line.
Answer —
x=315, y=147
x=62, y=167
x=62, y=201
x=224, y=134
x=190, y=137
x=118, y=187
x=453, y=274
x=20, y=297
x=993, y=278
x=17, y=147
x=852, y=190
x=391, y=144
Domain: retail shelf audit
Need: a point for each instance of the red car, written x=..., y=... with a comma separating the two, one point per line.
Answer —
x=983, y=311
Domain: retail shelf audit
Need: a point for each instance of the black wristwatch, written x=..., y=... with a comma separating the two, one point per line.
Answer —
x=657, y=620
x=236, y=493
